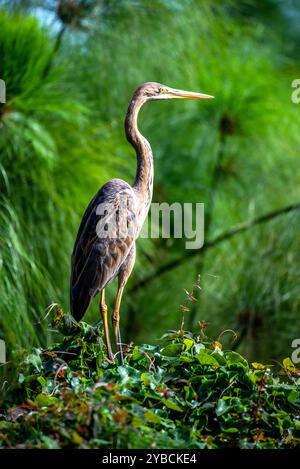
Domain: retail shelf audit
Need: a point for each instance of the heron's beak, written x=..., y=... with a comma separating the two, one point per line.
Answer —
x=181, y=94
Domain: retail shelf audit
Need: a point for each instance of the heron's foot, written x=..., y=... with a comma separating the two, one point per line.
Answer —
x=116, y=327
x=110, y=358
x=120, y=351
x=120, y=356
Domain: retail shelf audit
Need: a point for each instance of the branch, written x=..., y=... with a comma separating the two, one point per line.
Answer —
x=58, y=39
x=214, y=242
x=56, y=47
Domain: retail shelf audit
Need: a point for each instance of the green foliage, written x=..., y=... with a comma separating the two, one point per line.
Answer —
x=61, y=138
x=184, y=392
x=42, y=127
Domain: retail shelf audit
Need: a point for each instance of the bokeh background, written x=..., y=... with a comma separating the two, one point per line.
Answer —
x=70, y=67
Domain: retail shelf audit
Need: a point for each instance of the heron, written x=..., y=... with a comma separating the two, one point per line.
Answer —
x=105, y=246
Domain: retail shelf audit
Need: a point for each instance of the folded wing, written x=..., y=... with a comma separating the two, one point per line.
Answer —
x=105, y=237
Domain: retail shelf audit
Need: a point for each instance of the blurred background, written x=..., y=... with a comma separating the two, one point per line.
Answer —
x=70, y=68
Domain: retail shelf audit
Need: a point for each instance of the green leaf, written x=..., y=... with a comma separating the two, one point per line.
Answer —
x=7, y=425
x=259, y=366
x=289, y=365
x=42, y=400
x=296, y=422
x=234, y=358
x=172, y=350
x=137, y=422
x=172, y=404
x=231, y=430
x=42, y=381
x=136, y=355
x=146, y=378
x=49, y=442
x=34, y=359
x=188, y=344
x=205, y=358
x=222, y=406
x=151, y=416
x=184, y=357
x=77, y=439
x=294, y=397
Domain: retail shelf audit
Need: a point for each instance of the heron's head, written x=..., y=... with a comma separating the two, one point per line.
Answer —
x=151, y=91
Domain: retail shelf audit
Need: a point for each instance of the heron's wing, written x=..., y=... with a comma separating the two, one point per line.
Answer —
x=105, y=236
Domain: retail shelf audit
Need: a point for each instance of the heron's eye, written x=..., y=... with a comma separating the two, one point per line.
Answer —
x=163, y=90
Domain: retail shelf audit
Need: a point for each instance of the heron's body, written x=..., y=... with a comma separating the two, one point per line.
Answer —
x=105, y=243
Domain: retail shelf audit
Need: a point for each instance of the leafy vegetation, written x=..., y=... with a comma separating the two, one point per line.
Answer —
x=183, y=392
x=70, y=68
x=68, y=82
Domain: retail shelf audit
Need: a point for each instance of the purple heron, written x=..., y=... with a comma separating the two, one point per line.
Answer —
x=103, y=248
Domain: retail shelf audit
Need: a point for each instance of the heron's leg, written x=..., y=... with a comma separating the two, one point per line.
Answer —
x=103, y=309
x=123, y=276
x=116, y=323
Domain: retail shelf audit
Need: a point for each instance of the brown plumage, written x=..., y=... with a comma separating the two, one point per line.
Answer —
x=105, y=243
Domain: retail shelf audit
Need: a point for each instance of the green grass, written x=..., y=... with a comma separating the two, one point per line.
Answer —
x=183, y=392
x=41, y=144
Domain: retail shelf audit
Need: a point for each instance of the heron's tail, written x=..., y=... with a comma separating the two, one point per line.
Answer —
x=84, y=286
x=79, y=302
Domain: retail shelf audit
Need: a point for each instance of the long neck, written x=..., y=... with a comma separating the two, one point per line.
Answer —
x=144, y=175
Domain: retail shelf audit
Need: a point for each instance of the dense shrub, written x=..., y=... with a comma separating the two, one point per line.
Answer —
x=184, y=392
